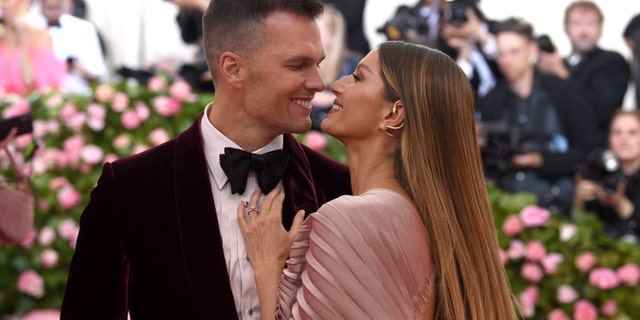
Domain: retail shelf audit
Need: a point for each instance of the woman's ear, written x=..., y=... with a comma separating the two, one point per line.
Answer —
x=231, y=68
x=395, y=118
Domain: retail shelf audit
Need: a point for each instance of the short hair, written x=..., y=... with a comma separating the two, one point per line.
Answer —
x=515, y=25
x=238, y=25
x=583, y=5
x=632, y=27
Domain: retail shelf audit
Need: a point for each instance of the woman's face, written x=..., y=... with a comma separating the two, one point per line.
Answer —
x=361, y=107
x=624, y=138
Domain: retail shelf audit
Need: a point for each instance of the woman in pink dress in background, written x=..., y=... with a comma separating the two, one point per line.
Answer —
x=417, y=238
x=27, y=62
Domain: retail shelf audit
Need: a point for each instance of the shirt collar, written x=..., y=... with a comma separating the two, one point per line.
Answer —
x=215, y=142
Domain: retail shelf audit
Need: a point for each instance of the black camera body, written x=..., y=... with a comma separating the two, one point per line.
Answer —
x=456, y=12
x=404, y=19
x=504, y=140
x=545, y=44
x=603, y=168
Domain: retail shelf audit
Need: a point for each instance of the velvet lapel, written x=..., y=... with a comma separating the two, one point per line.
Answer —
x=300, y=192
x=200, y=236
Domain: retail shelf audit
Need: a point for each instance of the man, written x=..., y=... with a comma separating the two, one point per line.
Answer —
x=602, y=75
x=160, y=236
x=535, y=129
x=76, y=41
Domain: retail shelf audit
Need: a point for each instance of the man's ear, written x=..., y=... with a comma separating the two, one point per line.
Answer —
x=231, y=68
x=395, y=117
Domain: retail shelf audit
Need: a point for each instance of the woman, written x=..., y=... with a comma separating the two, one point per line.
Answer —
x=417, y=238
x=618, y=208
x=27, y=61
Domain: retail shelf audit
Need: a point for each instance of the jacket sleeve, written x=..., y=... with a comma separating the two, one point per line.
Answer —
x=98, y=276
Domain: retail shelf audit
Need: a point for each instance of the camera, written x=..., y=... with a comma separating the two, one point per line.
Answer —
x=456, y=13
x=404, y=19
x=603, y=168
x=545, y=44
x=505, y=140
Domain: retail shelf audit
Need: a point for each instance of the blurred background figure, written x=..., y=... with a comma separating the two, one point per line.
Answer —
x=535, y=128
x=27, y=62
x=602, y=75
x=76, y=41
x=339, y=62
x=353, y=13
x=609, y=183
x=631, y=37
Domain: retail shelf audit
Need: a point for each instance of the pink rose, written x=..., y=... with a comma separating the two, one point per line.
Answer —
x=512, y=226
x=46, y=236
x=557, y=314
x=31, y=283
x=604, y=278
x=68, y=197
x=535, y=251
x=49, y=258
x=139, y=148
x=30, y=239
x=166, y=106
x=503, y=257
x=96, y=115
x=567, y=231
x=92, y=154
x=104, y=93
x=551, y=261
x=53, y=101
x=534, y=216
x=73, y=148
x=516, y=250
x=629, y=274
x=584, y=310
x=17, y=108
x=110, y=158
x=609, y=308
x=586, y=261
x=158, y=136
x=120, y=102
x=68, y=229
x=130, y=119
x=566, y=294
x=180, y=90
x=157, y=84
x=315, y=140
x=143, y=110
x=532, y=272
x=46, y=314
x=528, y=300
x=122, y=141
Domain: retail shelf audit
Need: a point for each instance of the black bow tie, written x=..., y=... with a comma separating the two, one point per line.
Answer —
x=269, y=168
x=54, y=23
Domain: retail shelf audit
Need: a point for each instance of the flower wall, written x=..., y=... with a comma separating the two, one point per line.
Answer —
x=559, y=268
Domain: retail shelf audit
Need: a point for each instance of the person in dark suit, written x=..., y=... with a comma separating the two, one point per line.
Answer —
x=159, y=238
x=353, y=12
x=535, y=131
x=602, y=75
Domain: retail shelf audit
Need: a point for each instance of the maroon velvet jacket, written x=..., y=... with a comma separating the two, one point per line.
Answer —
x=149, y=240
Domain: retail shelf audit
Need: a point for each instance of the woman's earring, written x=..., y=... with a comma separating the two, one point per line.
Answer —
x=394, y=109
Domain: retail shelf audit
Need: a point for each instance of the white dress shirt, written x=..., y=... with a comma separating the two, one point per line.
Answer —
x=239, y=268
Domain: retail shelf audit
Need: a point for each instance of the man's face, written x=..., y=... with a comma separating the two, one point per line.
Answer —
x=624, y=138
x=283, y=76
x=514, y=55
x=584, y=29
x=52, y=9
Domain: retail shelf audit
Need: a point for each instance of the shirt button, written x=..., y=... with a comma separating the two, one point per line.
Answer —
x=246, y=256
x=250, y=311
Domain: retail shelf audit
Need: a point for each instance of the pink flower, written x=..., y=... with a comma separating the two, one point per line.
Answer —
x=532, y=272
x=604, y=278
x=46, y=236
x=528, y=300
x=53, y=101
x=130, y=119
x=143, y=110
x=158, y=136
x=629, y=274
x=96, y=115
x=104, y=93
x=566, y=294
x=30, y=239
x=92, y=154
x=166, y=106
x=180, y=90
x=49, y=258
x=586, y=261
x=567, y=231
x=503, y=256
x=516, y=250
x=31, y=283
x=551, y=261
x=534, y=216
x=73, y=148
x=584, y=310
x=17, y=108
x=46, y=314
x=68, y=229
x=122, y=141
x=609, y=308
x=110, y=158
x=315, y=140
x=139, y=148
x=157, y=84
x=557, y=314
x=512, y=226
x=535, y=250
x=68, y=197
x=120, y=102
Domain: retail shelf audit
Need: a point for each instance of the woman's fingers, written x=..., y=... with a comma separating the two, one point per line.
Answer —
x=295, y=226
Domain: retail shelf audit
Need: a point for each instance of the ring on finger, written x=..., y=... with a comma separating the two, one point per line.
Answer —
x=253, y=209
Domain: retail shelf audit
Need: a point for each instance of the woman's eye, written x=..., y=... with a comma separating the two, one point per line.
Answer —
x=355, y=77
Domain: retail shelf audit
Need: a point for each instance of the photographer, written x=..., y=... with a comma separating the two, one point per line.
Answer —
x=617, y=203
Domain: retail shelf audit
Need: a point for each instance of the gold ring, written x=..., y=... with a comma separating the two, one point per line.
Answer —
x=253, y=209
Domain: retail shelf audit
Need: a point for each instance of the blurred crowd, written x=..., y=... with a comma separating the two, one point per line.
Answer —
x=548, y=124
